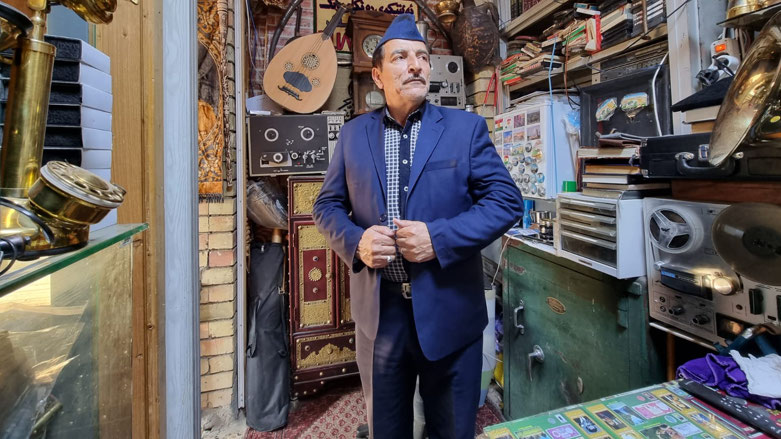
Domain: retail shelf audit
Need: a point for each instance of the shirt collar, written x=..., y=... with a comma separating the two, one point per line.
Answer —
x=415, y=115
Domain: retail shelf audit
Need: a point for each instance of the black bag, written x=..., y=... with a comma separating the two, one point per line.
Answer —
x=268, y=366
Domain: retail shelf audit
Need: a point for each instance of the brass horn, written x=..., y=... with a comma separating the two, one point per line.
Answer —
x=751, y=111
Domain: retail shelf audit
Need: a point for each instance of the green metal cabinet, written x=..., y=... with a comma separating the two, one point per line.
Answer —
x=571, y=334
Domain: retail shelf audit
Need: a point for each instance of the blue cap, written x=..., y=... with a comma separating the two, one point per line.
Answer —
x=402, y=28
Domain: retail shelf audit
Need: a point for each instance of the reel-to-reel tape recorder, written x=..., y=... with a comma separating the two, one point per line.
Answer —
x=713, y=270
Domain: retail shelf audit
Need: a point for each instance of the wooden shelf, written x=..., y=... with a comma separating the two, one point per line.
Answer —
x=579, y=62
x=529, y=18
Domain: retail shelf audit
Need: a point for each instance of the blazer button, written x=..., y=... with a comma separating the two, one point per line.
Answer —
x=383, y=218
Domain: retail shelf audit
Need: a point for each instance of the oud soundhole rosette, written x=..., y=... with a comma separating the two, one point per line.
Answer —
x=310, y=61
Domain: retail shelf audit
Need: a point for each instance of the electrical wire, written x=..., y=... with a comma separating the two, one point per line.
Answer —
x=499, y=265
x=13, y=256
x=48, y=235
x=252, y=41
x=552, y=108
x=570, y=101
x=653, y=94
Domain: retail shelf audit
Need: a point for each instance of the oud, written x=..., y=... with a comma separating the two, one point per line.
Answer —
x=301, y=76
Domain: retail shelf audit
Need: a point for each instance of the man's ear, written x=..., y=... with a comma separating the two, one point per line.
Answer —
x=376, y=77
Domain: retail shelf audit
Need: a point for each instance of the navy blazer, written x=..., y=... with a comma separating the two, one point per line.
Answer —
x=458, y=186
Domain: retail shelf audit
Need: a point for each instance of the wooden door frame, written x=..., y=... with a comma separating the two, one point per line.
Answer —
x=155, y=158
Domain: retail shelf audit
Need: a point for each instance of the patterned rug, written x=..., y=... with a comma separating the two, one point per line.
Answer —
x=337, y=413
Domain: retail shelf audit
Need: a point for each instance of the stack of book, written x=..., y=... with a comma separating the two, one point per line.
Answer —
x=656, y=15
x=701, y=119
x=78, y=126
x=617, y=22
x=607, y=172
x=519, y=52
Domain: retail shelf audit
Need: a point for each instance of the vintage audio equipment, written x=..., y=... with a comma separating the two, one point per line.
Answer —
x=446, y=83
x=712, y=269
x=618, y=66
x=301, y=76
x=751, y=111
x=601, y=233
x=322, y=332
x=294, y=144
x=52, y=207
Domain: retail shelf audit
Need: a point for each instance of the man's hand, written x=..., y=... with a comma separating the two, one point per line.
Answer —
x=377, y=247
x=414, y=241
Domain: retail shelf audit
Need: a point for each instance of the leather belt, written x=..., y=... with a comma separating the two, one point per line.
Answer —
x=403, y=288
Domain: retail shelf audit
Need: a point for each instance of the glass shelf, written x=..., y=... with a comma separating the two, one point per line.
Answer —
x=23, y=273
x=66, y=342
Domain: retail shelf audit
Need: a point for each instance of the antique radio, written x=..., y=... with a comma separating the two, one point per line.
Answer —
x=712, y=269
x=446, y=84
x=601, y=233
x=295, y=144
x=322, y=334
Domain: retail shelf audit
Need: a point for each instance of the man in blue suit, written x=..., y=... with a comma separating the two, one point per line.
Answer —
x=412, y=195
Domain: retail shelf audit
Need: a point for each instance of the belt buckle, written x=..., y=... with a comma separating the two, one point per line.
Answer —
x=406, y=290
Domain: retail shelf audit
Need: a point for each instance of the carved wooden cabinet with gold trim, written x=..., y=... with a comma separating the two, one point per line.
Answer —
x=322, y=332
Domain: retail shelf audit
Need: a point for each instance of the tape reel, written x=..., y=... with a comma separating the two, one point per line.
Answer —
x=674, y=230
x=748, y=237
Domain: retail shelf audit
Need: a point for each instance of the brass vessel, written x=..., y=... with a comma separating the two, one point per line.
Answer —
x=740, y=7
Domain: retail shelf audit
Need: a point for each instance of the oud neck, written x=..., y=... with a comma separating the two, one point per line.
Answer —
x=331, y=27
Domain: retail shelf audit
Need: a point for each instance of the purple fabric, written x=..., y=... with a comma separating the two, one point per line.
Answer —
x=724, y=373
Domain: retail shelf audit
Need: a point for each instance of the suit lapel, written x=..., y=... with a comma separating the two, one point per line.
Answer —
x=376, y=141
x=428, y=137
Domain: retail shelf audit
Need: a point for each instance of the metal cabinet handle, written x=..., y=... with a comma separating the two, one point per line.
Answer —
x=536, y=356
x=520, y=326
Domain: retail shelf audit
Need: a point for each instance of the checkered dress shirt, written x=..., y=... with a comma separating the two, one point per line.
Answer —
x=394, y=135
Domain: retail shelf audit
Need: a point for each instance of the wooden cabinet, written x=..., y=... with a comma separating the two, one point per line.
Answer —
x=571, y=334
x=322, y=333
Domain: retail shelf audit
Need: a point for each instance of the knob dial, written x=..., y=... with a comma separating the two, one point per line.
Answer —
x=700, y=319
x=677, y=310
x=723, y=285
x=294, y=155
x=278, y=157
